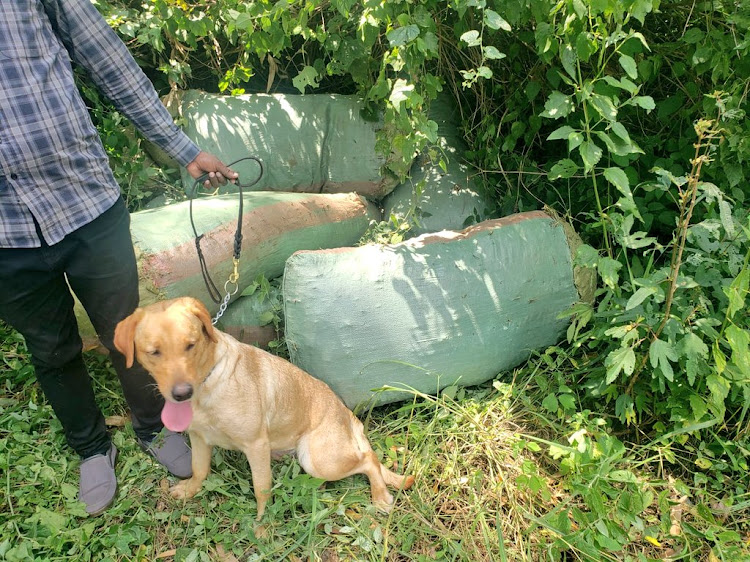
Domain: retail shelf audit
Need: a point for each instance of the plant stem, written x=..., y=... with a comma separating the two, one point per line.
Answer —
x=687, y=205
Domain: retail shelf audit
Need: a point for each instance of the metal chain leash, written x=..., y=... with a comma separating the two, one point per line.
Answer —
x=228, y=294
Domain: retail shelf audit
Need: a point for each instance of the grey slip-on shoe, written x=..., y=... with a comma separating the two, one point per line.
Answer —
x=171, y=450
x=97, y=486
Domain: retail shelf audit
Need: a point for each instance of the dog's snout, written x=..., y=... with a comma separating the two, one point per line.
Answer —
x=182, y=391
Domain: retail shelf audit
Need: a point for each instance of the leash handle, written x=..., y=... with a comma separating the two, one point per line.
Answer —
x=204, y=177
x=213, y=290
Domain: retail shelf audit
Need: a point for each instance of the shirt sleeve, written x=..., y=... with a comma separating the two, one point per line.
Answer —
x=92, y=44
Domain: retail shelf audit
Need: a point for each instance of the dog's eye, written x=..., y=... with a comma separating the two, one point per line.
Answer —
x=154, y=353
x=189, y=346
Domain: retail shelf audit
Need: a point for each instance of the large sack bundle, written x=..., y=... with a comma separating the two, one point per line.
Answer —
x=449, y=198
x=313, y=143
x=274, y=226
x=437, y=310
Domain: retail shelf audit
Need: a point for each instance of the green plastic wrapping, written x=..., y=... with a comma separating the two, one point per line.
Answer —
x=274, y=226
x=308, y=143
x=450, y=308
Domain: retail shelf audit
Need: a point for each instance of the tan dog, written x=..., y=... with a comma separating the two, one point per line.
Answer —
x=236, y=396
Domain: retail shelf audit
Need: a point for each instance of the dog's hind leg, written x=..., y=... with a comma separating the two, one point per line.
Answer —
x=333, y=455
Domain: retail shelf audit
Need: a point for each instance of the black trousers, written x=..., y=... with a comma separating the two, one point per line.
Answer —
x=99, y=264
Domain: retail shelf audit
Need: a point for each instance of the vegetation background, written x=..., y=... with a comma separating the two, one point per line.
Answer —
x=628, y=441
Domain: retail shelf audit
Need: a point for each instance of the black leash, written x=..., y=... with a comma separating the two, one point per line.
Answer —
x=213, y=291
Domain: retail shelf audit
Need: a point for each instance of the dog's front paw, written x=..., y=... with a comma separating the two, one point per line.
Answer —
x=185, y=489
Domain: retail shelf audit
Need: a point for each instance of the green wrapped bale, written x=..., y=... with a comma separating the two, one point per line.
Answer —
x=451, y=308
x=312, y=143
x=447, y=198
x=274, y=226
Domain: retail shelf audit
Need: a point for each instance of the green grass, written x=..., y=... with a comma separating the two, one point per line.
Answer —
x=498, y=478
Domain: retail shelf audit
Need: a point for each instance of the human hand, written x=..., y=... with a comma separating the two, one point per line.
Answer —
x=215, y=171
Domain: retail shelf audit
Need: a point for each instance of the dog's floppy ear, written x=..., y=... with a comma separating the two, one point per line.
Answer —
x=199, y=309
x=125, y=336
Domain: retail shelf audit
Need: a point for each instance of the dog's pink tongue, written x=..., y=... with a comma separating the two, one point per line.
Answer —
x=177, y=415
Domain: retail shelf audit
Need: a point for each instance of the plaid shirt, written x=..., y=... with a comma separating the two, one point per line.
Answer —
x=53, y=167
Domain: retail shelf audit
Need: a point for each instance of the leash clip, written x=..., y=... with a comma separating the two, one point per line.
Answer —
x=235, y=275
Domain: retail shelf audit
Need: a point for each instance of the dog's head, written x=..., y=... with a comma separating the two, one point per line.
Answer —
x=173, y=340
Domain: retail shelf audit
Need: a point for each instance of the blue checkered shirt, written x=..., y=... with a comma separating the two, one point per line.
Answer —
x=53, y=167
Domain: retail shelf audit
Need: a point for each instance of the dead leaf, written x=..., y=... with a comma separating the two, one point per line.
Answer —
x=353, y=514
x=329, y=555
x=115, y=421
x=272, y=66
x=167, y=554
x=225, y=556
x=720, y=510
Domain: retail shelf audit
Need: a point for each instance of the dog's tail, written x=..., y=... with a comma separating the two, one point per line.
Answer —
x=397, y=481
x=391, y=478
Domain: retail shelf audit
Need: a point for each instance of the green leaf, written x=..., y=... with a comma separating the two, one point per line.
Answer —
x=485, y=72
x=639, y=296
x=719, y=387
x=565, y=168
x=628, y=65
x=344, y=6
x=561, y=133
x=591, y=154
x=660, y=355
x=638, y=240
x=586, y=256
x=646, y=102
x=585, y=47
x=725, y=214
x=616, y=145
x=693, y=35
x=472, y=38
x=692, y=346
x=495, y=21
x=618, y=178
x=491, y=52
x=400, y=93
x=308, y=76
x=550, y=403
x=620, y=130
x=604, y=105
x=402, y=35
x=736, y=292
x=567, y=401
x=574, y=141
x=623, y=476
x=621, y=360
x=639, y=9
x=719, y=358
x=698, y=406
x=608, y=271
x=739, y=341
x=557, y=105
x=568, y=59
